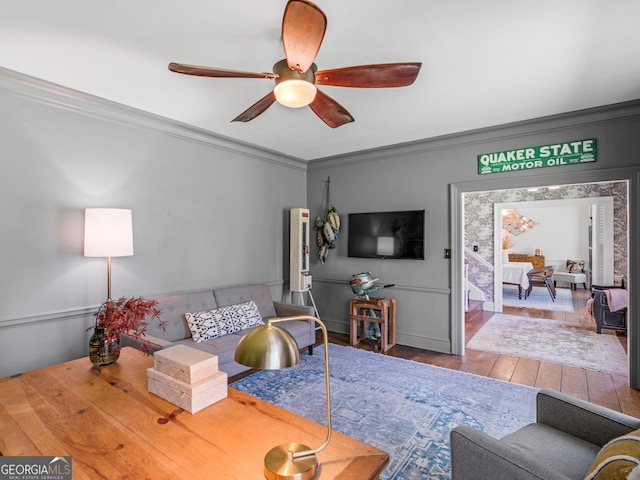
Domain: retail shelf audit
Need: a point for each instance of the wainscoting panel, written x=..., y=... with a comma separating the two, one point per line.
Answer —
x=39, y=341
x=417, y=308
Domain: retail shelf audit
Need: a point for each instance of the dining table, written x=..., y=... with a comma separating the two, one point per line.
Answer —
x=515, y=273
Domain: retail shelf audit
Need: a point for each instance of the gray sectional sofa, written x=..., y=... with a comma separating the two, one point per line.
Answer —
x=177, y=330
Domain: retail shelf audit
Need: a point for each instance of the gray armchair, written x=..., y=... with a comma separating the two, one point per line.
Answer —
x=561, y=445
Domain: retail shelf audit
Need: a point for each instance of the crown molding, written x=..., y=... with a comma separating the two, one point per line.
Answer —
x=552, y=123
x=46, y=93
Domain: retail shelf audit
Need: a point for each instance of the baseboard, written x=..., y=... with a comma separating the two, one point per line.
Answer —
x=416, y=341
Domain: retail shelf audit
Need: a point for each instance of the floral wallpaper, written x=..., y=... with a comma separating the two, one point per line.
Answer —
x=478, y=220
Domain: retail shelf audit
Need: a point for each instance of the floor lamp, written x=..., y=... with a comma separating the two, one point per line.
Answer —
x=272, y=347
x=108, y=232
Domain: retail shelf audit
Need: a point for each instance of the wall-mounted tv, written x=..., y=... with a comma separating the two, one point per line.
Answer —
x=387, y=235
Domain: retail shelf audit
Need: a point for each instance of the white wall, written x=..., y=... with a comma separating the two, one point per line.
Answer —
x=562, y=232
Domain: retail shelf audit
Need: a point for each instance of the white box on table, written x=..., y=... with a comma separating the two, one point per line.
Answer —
x=186, y=364
x=191, y=397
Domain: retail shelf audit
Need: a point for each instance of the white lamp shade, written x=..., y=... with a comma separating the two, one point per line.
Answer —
x=108, y=232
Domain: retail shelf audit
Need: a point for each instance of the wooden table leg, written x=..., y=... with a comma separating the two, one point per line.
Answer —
x=392, y=322
x=384, y=326
x=353, y=325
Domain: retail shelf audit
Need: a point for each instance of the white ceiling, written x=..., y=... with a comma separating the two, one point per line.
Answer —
x=485, y=63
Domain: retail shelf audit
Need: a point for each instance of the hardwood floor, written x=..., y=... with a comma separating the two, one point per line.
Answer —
x=605, y=389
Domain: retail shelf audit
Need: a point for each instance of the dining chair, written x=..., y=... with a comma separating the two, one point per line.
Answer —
x=542, y=277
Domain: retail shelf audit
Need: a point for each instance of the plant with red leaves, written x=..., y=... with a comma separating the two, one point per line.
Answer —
x=129, y=316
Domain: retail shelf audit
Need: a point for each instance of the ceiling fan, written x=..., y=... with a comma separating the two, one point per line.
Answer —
x=296, y=77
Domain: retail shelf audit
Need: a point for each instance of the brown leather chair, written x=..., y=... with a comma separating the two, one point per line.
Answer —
x=541, y=277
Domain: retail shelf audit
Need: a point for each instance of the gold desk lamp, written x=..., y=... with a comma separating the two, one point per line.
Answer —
x=270, y=347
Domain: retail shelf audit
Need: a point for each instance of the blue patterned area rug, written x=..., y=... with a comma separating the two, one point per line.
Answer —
x=402, y=407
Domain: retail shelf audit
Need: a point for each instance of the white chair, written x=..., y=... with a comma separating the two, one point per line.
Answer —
x=572, y=278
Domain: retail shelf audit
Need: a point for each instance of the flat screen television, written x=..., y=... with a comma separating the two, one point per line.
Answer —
x=387, y=235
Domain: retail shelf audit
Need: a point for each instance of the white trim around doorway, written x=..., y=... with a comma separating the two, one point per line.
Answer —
x=632, y=175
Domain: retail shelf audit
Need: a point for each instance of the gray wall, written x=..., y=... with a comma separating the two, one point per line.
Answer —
x=433, y=175
x=422, y=288
x=209, y=212
x=206, y=213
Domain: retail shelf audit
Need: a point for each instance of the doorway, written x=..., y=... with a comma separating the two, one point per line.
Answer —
x=601, y=268
x=458, y=235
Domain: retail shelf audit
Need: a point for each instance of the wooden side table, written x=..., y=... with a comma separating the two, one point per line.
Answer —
x=385, y=310
x=537, y=261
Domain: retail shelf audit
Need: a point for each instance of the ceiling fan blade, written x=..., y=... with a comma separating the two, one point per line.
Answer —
x=330, y=111
x=303, y=27
x=216, y=72
x=370, y=76
x=257, y=108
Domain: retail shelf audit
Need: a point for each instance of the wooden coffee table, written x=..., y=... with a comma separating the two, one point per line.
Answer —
x=112, y=427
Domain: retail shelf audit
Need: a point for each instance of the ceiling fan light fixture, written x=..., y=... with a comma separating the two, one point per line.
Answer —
x=303, y=29
x=295, y=93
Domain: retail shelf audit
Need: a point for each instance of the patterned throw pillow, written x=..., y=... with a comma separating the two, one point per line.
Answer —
x=575, y=266
x=618, y=459
x=223, y=321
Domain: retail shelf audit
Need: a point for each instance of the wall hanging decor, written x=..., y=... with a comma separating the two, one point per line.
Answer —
x=327, y=230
